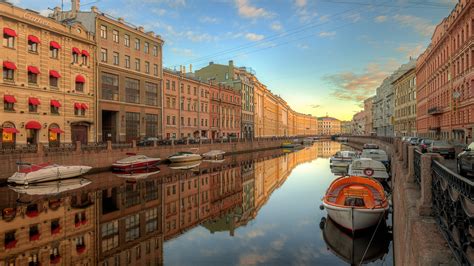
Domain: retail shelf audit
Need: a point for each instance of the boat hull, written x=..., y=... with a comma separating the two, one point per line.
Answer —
x=49, y=174
x=53, y=187
x=182, y=159
x=134, y=166
x=355, y=218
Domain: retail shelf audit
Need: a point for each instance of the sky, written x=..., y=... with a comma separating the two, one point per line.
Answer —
x=322, y=56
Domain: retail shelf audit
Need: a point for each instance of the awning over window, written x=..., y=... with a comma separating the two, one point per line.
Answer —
x=10, y=130
x=77, y=106
x=9, y=99
x=33, y=125
x=85, y=53
x=84, y=106
x=56, y=130
x=54, y=73
x=9, y=65
x=9, y=32
x=80, y=79
x=55, y=103
x=33, y=69
x=54, y=45
x=33, y=38
x=34, y=101
x=76, y=50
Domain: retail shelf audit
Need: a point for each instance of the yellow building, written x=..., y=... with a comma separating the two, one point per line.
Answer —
x=48, y=80
x=405, y=102
x=329, y=126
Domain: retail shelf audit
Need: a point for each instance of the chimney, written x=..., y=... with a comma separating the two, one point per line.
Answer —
x=121, y=20
x=231, y=63
x=94, y=9
x=191, y=68
x=141, y=29
x=184, y=69
x=75, y=6
x=151, y=33
x=211, y=63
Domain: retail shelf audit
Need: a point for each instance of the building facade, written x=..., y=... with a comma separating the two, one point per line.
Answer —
x=187, y=106
x=225, y=111
x=47, y=81
x=358, y=123
x=445, y=78
x=405, y=102
x=129, y=75
x=369, y=123
x=328, y=126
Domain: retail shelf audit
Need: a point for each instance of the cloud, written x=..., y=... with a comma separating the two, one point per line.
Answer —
x=45, y=12
x=324, y=18
x=380, y=19
x=159, y=11
x=354, y=17
x=300, y=3
x=183, y=52
x=351, y=86
x=254, y=37
x=208, y=20
x=302, y=46
x=170, y=3
x=276, y=26
x=411, y=50
x=420, y=25
x=325, y=34
x=246, y=10
x=314, y=106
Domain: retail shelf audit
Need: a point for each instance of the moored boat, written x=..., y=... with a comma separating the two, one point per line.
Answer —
x=342, y=158
x=134, y=162
x=185, y=165
x=376, y=154
x=52, y=187
x=213, y=156
x=35, y=173
x=367, y=167
x=356, y=202
x=184, y=156
x=139, y=174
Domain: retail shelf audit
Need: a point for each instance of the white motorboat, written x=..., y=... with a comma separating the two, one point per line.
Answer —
x=51, y=187
x=307, y=141
x=184, y=156
x=214, y=156
x=185, y=165
x=356, y=202
x=140, y=174
x=377, y=155
x=342, y=158
x=31, y=173
x=134, y=162
x=368, y=168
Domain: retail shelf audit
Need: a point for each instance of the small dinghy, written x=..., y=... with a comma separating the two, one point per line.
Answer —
x=36, y=173
x=368, y=168
x=51, y=187
x=134, y=162
x=356, y=202
x=342, y=158
x=214, y=156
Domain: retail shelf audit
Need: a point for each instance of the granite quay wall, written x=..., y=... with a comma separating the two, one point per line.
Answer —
x=429, y=227
x=102, y=156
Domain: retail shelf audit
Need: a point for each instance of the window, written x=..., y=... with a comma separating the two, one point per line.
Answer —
x=132, y=90
x=137, y=64
x=85, y=57
x=137, y=252
x=174, y=120
x=151, y=90
x=9, y=103
x=53, y=52
x=103, y=32
x=146, y=48
x=110, y=87
x=127, y=61
x=168, y=120
x=147, y=67
x=167, y=84
x=80, y=80
x=126, y=40
x=33, y=44
x=33, y=105
x=9, y=38
x=115, y=36
x=116, y=59
x=155, y=50
x=155, y=69
x=132, y=128
x=151, y=125
x=103, y=55
x=173, y=86
x=189, y=89
x=182, y=121
x=53, y=81
x=55, y=107
x=75, y=55
x=32, y=75
x=109, y=233
x=137, y=44
x=132, y=227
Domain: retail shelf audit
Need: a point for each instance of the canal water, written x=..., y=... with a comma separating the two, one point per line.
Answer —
x=255, y=208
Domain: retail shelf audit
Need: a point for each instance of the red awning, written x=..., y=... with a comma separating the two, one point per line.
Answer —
x=9, y=65
x=77, y=106
x=84, y=106
x=56, y=130
x=54, y=45
x=33, y=125
x=33, y=38
x=34, y=101
x=9, y=99
x=33, y=69
x=55, y=103
x=54, y=73
x=10, y=130
x=76, y=50
x=85, y=53
x=9, y=32
x=80, y=79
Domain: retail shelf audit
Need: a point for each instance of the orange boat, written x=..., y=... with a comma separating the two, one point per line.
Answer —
x=356, y=202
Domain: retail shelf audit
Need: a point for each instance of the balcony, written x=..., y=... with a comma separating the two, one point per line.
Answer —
x=435, y=110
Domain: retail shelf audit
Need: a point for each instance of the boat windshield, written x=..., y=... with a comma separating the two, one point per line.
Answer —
x=182, y=153
x=356, y=202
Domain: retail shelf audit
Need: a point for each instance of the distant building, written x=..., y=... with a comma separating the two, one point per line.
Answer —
x=369, y=122
x=405, y=102
x=346, y=127
x=225, y=111
x=328, y=126
x=358, y=123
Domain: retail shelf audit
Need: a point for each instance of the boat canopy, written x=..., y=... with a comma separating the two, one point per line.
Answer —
x=378, y=155
x=368, y=168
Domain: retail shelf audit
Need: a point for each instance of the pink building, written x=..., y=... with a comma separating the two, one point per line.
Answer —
x=225, y=112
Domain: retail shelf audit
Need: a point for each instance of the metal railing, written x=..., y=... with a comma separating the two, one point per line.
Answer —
x=62, y=147
x=417, y=166
x=122, y=145
x=94, y=146
x=18, y=148
x=453, y=201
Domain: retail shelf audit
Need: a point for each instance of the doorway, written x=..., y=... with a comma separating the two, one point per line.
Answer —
x=109, y=125
x=79, y=132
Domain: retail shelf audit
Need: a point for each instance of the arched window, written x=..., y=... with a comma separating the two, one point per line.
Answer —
x=9, y=132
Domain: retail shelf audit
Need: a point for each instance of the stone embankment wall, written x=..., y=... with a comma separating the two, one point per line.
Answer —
x=104, y=158
x=417, y=239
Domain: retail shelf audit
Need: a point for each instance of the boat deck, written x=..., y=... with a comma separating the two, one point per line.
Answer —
x=338, y=197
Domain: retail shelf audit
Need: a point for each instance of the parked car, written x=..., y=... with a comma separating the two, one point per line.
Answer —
x=148, y=141
x=413, y=141
x=442, y=147
x=424, y=143
x=370, y=146
x=465, y=160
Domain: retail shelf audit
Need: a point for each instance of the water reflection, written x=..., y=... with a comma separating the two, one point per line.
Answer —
x=224, y=213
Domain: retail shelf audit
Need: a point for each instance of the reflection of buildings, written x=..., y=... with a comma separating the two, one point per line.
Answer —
x=326, y=149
